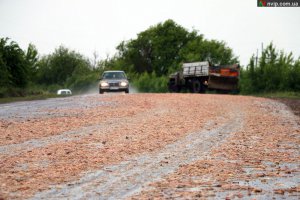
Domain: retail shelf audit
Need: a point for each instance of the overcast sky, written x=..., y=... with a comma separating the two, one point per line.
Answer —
x=99, y=25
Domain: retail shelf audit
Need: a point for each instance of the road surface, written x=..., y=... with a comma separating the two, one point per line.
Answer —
x=149, y=146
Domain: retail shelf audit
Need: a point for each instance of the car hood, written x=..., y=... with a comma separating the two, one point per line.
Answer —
x=114, y=80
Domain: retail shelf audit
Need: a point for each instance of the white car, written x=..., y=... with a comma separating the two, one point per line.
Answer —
x=64, y=92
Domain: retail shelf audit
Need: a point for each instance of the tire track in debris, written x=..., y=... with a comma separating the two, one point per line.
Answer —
x=15, y=149
x=132, y=176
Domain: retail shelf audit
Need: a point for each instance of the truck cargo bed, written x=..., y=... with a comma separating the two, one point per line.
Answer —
x=195, y=69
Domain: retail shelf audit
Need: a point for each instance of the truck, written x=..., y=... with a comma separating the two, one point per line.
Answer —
x=197, y=77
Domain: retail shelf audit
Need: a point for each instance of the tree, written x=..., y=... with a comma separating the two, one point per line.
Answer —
x=13, y=66
x=200, y=49
x=155, y=49
x=294, y=76
x=163, y=47
x=5, y=76
x=31, y=57
x=276, y=71
x=60, y=66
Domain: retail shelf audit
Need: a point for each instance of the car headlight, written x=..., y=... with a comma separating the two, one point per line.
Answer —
x=123, y=83
x=104, y=84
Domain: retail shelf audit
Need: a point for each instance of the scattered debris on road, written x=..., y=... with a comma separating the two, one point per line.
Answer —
x=142, y=146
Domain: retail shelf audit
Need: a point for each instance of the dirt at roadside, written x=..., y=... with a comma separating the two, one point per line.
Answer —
x=294, y=104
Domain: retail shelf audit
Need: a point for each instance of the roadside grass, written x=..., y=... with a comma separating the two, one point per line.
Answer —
x=28, y=98
x=281, y=95
x=290, y=99
x=34, y=92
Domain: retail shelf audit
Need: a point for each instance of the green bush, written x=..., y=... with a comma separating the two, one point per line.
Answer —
x=274, y=72
x=150, y=83
x=21, y=92
x=80, y=84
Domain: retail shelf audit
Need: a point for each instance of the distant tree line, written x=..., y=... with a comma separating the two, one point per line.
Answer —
x=148, y=60
x=161, y=50
x=25, y=73
x=273, y=72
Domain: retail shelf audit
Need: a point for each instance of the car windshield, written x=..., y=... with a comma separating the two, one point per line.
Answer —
x=113, y=75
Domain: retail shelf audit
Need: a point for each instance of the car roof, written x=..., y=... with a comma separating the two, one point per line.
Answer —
x=113, y=71
x=64, y=90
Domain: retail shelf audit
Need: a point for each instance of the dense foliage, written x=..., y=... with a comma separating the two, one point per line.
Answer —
x=65, y=68
x=14, y=64
x=23, y=73
x=16, y=67
x=275, y=71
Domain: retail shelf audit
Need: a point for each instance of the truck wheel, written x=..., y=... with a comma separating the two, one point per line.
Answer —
x=178, y=89
x=174, y=88
x=202, y=88
x=196, y=86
